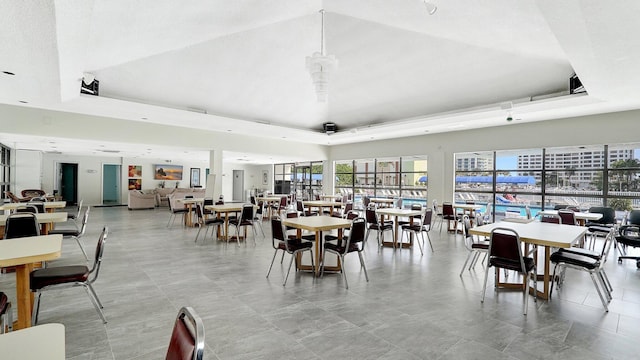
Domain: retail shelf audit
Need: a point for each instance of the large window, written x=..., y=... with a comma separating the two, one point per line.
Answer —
x=302, y=179
x=581, y=176
x=5, y=168
x=399, y=178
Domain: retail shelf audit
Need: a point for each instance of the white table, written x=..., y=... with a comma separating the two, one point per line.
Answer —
x=582, y=217
x=35, y=343
x=23, y=253
x=49, y=206
x=396, y=213
x=541, y=234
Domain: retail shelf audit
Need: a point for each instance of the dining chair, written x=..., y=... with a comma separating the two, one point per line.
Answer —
x=174, y=212
x=245, y=220
x=608, y=219
x=448, y=214
x=414, y=218
x=567, y=217
x=475, y=246
x=629, y=236
x=588, y=261
x=6, y=314
x=207, y=223
x=354, y=242
x=281, y=241
x=505, y=252
x=348, y=206
x=187, y=336
x=38, y=205
x=20, y=225
x=549, y=218
x=50, y=278
x=75, y=233
x=302, y=211
x=422, y=227
x=74, y=216
x=27, y=208
x=373, y=223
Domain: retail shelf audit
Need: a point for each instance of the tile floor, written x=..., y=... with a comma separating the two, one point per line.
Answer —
x=413, y=307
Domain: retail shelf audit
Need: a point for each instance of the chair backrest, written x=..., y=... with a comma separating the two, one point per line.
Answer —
x=504, y=246
x=447, y=209
x=567, y=217
x=38, y=205
x=97, y=260
x=634, y=217
x=300, y=206
x=199, y=213
x=278, y=232
x=548, y=218
x=252, y=199
x=247, y=212
x=20, y=225
x=608, y=214
x=26, y=209
x=427, y=218
x=348, y=207
x=356, y=232
x=370, y=215
x=187, y=337
x=79, y=208
x=85, y=220
x=283, y=202
x=365, y=201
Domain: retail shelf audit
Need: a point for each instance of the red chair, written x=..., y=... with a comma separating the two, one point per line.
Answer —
x=187, y=337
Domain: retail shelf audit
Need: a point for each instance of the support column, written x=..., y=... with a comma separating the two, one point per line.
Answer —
x=215, y=167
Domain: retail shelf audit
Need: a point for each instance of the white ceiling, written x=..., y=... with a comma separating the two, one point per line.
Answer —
x=401, y=71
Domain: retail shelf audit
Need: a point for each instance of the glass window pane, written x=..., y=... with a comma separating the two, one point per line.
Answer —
x=477, y=161
x=624, y=156
x=365, y=166
x=575, y=157
x=388, y=165
x=520, y=160
x=573, y=180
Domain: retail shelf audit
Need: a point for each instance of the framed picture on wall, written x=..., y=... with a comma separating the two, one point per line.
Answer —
x=265, y=177
x=195, y=177
x=135, y=171
x=135, y=184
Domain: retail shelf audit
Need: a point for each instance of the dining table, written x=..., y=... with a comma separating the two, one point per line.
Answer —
x=45, y=341
x=226, y=210
x=321, y=205
x=23, y=253
x=383, y=202
x=268, y=201
x=396, y=213
x=545, y=235
x=188, y=203
x=46, y=221
x=317, y=225
x=581, y=217
x=49, y=206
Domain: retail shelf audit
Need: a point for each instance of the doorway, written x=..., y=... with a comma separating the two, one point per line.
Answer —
x=238, y=185
x=68, y=182
x=110, y=184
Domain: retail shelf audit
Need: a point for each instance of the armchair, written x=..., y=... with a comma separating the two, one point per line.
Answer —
x=140, y=200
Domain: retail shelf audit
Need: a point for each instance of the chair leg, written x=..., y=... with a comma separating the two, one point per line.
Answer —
x=81, y=248
x=95, y=301
x=484, y=287
x=288, y=269
x=466, y=261
x=595, y=283
x=428, y=238
x=366, y=275
x=344, y=273
x=272, y=260
x=36, y=308
x=553, y=280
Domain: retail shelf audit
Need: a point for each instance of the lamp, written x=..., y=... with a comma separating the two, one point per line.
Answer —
x=431, y=8
x=320, y=66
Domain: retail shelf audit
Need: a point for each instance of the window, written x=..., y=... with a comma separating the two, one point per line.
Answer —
x=5, y=166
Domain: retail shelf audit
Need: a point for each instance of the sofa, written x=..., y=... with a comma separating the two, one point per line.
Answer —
x=141, y=200
x=163, y=194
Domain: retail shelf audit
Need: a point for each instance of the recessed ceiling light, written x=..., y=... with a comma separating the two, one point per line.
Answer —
x=144, y=118
x=426, y=131
x=228, y=130
x=8, y=73
x=23, y=102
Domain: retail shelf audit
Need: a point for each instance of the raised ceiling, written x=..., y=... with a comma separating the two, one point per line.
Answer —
x=240, y=65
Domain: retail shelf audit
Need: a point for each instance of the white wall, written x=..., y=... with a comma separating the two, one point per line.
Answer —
x=28, y=171
x=252, y=178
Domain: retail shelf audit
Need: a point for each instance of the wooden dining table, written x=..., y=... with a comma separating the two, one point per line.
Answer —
x=226, y=209
x=545, y=235
x=49, y=206
x=35, y=343
x=23, y=253
x=321, y=205
x=318, y=224
x=46, y=221
x=188, y=204
x=397, y=213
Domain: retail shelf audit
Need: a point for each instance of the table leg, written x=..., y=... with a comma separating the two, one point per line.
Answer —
x=24, y=296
